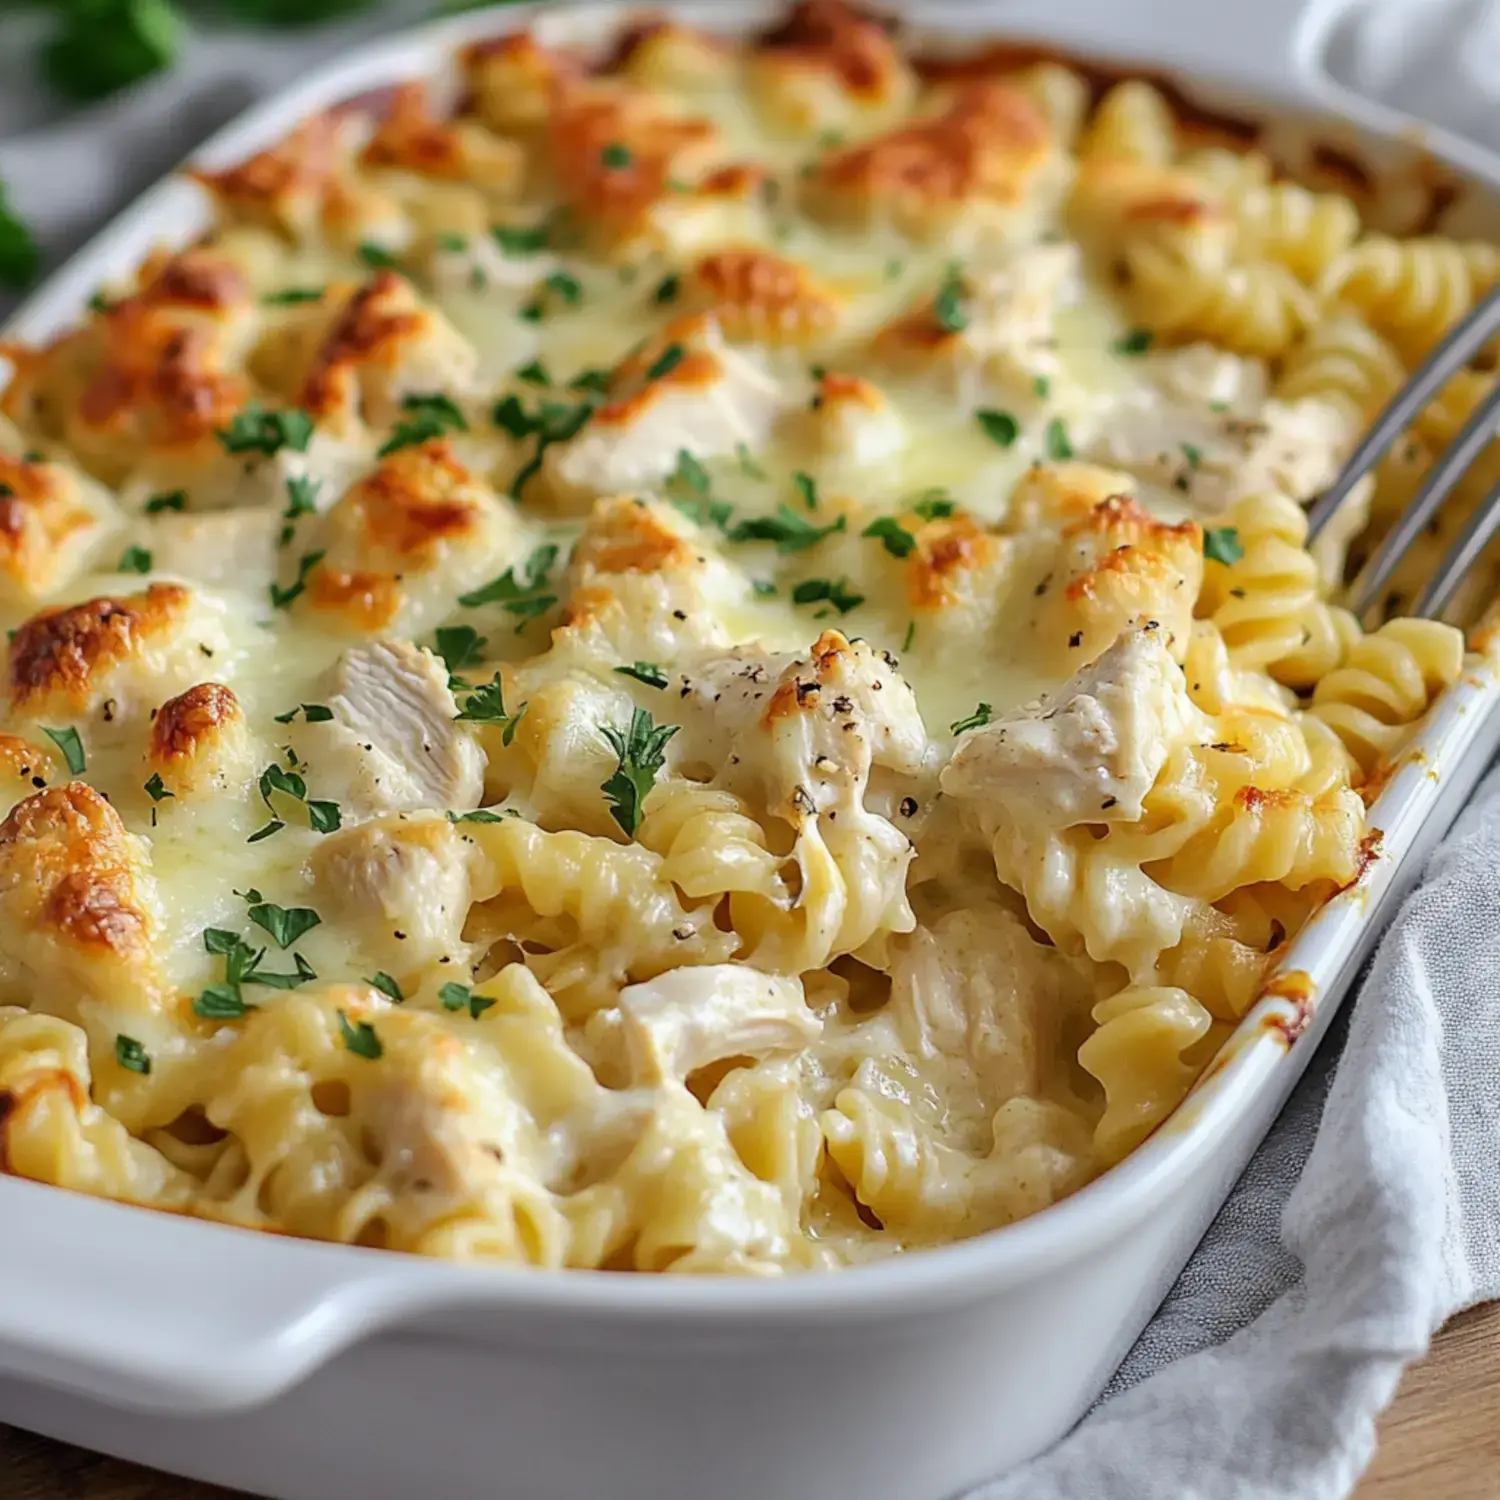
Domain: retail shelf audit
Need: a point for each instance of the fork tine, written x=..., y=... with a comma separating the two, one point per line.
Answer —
x=1474, y=437
x=1458, y=346
x=1464, y=553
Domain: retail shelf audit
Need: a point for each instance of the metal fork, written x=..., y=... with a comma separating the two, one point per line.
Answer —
x=1459, y=345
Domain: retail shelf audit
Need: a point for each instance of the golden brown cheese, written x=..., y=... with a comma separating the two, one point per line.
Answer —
x=759, y=297
x=77, y=900
x=48, y=527
x=200, y=743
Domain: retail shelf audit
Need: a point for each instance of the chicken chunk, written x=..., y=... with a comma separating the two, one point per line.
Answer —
x=405, y=882
x=392, y=744
x=687, y=1018
x=1089, y=752
x=693, y=394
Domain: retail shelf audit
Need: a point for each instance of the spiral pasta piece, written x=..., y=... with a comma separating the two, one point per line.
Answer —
x=1261, y=601
x=1132, y=123
x=1281, y=835
x=1302, y=230
x=1344, y=361
x=1412, y=290
x=1328, y=635
x=1386, y=684
x=1255, y=308
x=709, y=843
x=1137, y=1054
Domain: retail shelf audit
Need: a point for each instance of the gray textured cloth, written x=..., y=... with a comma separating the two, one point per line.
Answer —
x=1368, y=1217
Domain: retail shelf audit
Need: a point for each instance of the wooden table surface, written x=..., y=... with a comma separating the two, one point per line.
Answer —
x=1439, y=1441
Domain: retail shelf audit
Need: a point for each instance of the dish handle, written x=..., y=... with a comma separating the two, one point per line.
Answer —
x=177, y=1317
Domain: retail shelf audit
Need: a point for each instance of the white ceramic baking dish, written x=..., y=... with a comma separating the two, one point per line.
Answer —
x=311, y=1371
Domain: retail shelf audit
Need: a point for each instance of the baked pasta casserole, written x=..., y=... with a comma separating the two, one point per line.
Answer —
x=698, y=656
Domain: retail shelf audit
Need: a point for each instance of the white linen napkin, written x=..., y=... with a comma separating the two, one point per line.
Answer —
x=1372, y=1212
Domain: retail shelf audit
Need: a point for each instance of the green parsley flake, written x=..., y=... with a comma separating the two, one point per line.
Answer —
x=253, y=429
x=748, y=466
x=431, y=417
x=1221, y=544
x=667, y=289
x=950, y=309
x=642, y=749
x=786, y=528
x=827, y=590
x=360, y=1038
x=1055, y=441
x=520, y=240
x=387, y=986
x=324, y=817
x=999, y=426
x=616, y=156
x=896, y=539
x=534, y=374
x=173, y=500
x=134, y=560
x=933, y=504
x=291, y=296
x=646, y=672
x=156, y=788
x=807, y=488
x=460, y=646
x=666, y=362
x=976, y=720
x=525, y=599
x=19, y=256
x=131, y=1055
x=1137, y=341
x=285, y=923
x=68, y=742
x=282, y=597
x=378, y=258
x=486, y=705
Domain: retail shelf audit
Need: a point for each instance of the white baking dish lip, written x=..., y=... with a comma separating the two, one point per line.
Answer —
x=304, y=1301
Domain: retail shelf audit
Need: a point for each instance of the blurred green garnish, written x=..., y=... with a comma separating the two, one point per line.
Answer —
x=102, y=46
x=18, y=252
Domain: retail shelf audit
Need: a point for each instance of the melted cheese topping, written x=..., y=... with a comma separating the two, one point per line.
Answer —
x=709, y=665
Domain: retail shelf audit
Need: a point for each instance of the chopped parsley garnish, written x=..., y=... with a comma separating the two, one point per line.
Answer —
x=461, y=996
x=256, y=430
x=276, y=778
x=314, y=713
x=460, y=646
x=976, y=720
x=616, y=156
x=748, y=466
x=666, y=362
x=1194, y=456
x=519, y=240
x=156, y=788
x=99, y=303
x=763, y=588
x=387, y=986
x=646, y=672
x=688, y=489
x=565, y=286
x=896, y=539
x=1221, y=544
x=220, y=1002
x=642, y=749
x=933, y=504
x=786, y=528
x=597, y=381
x=479, y=815
x=524, y=599
x=431, y=417
x=134, y=560
x=281, y=597
x=666, y=289
x=241, y=967
x=377, y=257
x=950, y=307
x=807, y=488
x=1042, y=385
x=285, y=923
x=173, y=500
x=552, y=422
x=1055, y=440
x=68, y=742
x=1137, y=341
x=534, y=374
x=301, y=500
x=324, y=817
x=910, y=636
x=360, y=1038
x=999, y=426
x=265, y=832
x=827, y=590
x=131, y=1055
x=291, y=296
x=486, y=705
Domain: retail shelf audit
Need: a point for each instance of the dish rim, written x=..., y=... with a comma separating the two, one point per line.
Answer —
x=931, y=1277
